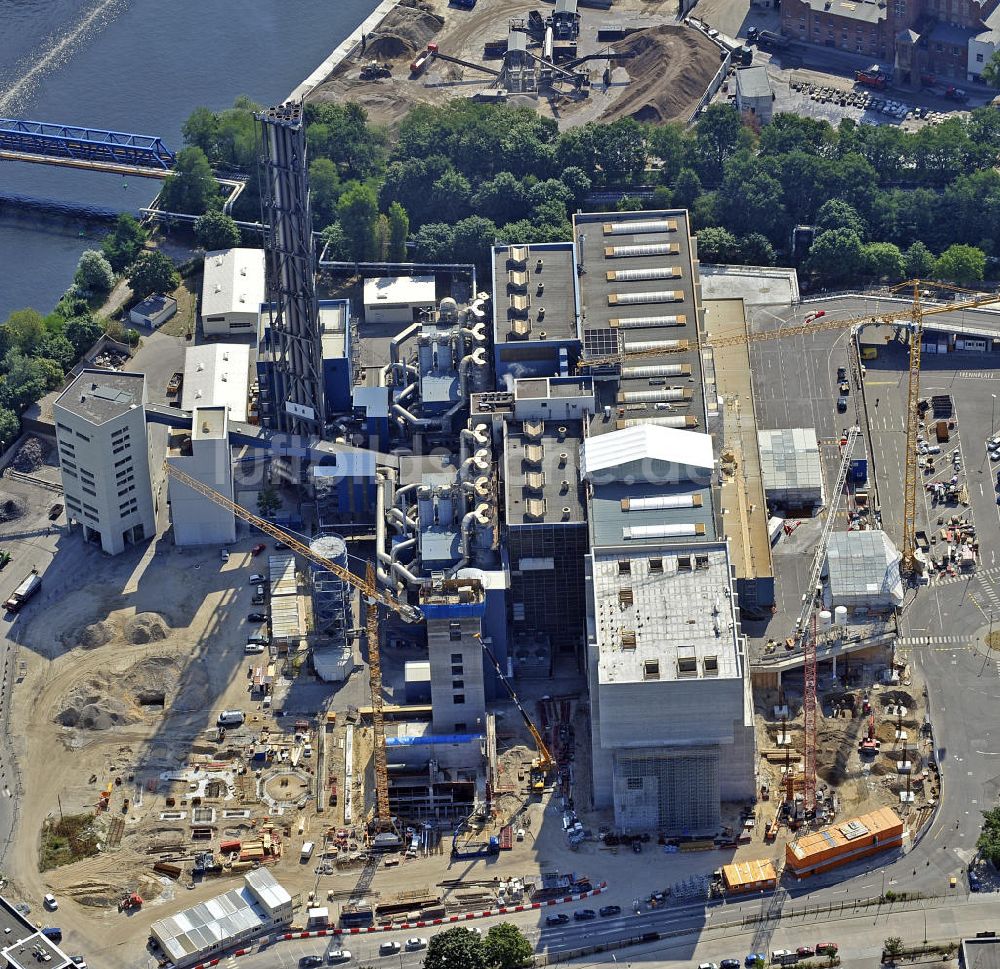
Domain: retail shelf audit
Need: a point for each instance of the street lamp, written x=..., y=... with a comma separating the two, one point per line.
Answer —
x=993, y=412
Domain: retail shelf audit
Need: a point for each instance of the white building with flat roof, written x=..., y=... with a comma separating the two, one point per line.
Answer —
x=396, y=299
x=670, y=695
x=237, y=917
x=232, y=290
x=104, y=457
x=204, y=454
x=217, y=375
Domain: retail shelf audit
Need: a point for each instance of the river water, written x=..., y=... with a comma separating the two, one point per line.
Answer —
x=139, y=66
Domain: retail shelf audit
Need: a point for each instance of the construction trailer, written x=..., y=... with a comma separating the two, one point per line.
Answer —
x=844, y=842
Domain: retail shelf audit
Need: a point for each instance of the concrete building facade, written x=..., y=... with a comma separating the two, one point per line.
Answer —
x=396, y=299
x=204, y=454
x=232, y=291
x=754, y=97
x=454, y=612
x=104, y=458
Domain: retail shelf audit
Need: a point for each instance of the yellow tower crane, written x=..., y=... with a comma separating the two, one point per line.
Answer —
x=912, y=317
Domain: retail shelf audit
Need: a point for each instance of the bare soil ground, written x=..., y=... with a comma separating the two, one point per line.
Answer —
x=670, y=72
x=662, y=83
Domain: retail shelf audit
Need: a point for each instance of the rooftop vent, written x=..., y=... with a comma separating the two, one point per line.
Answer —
x=625, y=597
x=710, y=664
x=628, y=639
x=563, y=458
x=656, y=566
x=624, y=567
x=687, y=665
x=651, y=669
x=566, y=513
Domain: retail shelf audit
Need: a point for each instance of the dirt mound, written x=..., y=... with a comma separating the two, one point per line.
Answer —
x=146, y=627
x=12, y=508
x=109, y=698
x=669, y=74
x=406, y=29
x=896, y=698
x=96, y=634
x=30, y=456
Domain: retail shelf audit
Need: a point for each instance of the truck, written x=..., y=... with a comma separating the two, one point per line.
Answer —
x=941, y=431
x=873, y=77
x=475, y=849
x=31, y=583
x=769, y=39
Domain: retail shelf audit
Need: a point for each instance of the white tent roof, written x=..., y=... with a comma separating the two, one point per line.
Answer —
x=645, y=442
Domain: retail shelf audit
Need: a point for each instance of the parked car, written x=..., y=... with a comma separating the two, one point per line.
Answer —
x=311, y=961
x=257, y=617
x=560, y=919
x=841, y=374
x=584, y=914
x=389, y=948
x=49, y=901
x=805, y=952
x=78, y=961
x=974, y=883
x=826, y=948
x=252, y=649
x=841, y=404
x=707, y=965
x=258, y=600
x=4, y=558
x=55, y=511
x=753, y=958
x=258, y=548
x=729, y=964
x=609, y=910
x=338, y=955
x=415, y=943
x=224, y=554
x=257, y=579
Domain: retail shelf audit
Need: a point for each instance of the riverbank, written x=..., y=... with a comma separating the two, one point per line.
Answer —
x=344, y=50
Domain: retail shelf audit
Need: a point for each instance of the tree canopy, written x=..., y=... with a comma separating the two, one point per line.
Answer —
x=216, y=230
x=153, y=272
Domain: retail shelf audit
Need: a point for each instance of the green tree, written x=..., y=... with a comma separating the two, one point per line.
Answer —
x=687, y=188
x=337, y=245
x=577, y=181
x=26, y=379
x=473, y=240
x=192, y=189
x=94, y=276
x=450, y=197
x=669, y=144
x=456, y=948
x=382, y=237
x=836, y=254
x=122, y=245
x=357, y=212
x=10, y=427
x=201, y=129
x=621, y=149
x=716, y=244
x=324, y=191
x=837, y=214
x=919, y=261
x=56, y=347
x=399, y=231
x=755, y=249
x=717, y=136
x=216, y=230
x=435, y=242
x=82, y=332
x=988, y=842
x=503, y=198
x=23, y=330
x=961, y=264
x=506, y=947
x=153, y=272
x=893, y=947
x=268, y=501
x=883, y=260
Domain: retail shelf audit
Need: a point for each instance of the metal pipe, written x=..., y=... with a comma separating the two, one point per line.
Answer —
x=402, y=414
x=467, y=522
x=382, y=559
x=396, y=516
x=397, y=341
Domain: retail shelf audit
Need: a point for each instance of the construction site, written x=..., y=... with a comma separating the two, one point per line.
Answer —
x=629, y=60
x=453, y=592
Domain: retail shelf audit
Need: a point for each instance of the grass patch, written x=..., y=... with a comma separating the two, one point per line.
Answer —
x=67, y=839
x=185, y=320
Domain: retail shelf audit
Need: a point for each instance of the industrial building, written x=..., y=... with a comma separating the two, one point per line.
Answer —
x=844, y=842
x=754, y=97
x=218, y=924
x=397, y=299
x=104, y=458
x=232, y=291
x=749, y=876
x=204, y=454
x=217, y=375
x=664, y=648
x=862, y=572
x=153, y=311
x=792, y=469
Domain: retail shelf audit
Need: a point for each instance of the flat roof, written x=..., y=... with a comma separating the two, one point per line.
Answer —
x=100, y=396
x=863, y=565
x=266, y=887
x=334, y=318
x=217, y=375
x=215, y=922
x=753, y=82
x=399, y=291
x=865, y=11
x=233, y=282
x=22, y=940
x=154, y=304
x=665, y=613
x=639, y=291
x=844, y=833
x=542, y=472
x=742, y=503
x=621, y=452
x=639, y=513
x=529, y=279
x=981, y=953
x=790, y=459
x=281, y=572
x=209, y=424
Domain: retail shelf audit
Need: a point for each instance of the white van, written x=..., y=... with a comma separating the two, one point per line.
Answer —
x=231, y=718
x=307, y=850
x=253, y=647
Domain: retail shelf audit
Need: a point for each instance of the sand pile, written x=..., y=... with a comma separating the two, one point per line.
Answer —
x=12, y=508
x=406, y=29
x=669, y=74
x=95, y=635
x=108, y=699
x=146, y=627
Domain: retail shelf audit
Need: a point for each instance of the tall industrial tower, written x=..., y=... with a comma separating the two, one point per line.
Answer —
x=298, y=406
